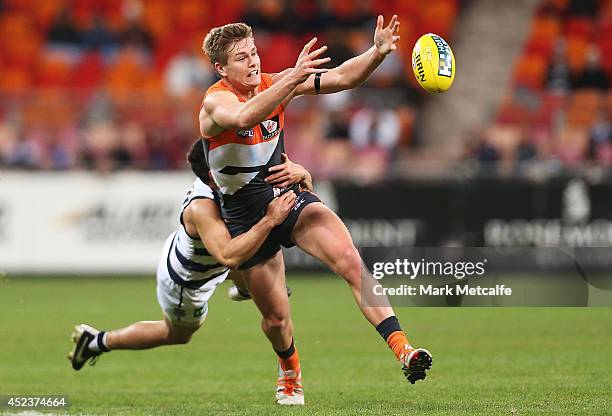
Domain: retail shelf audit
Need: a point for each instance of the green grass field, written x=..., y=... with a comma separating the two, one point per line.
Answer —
x=508, y=361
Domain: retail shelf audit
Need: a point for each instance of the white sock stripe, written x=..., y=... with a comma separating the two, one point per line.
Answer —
x=104, y=338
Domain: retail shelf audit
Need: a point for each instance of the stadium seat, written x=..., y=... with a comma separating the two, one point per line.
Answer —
x=583, y=108
x=15, y=81
x=576, y=53
x=89, y=72
x=227, y=11
x=579, y=27
x=54, y=71
x=530, y=71
x=192, y=16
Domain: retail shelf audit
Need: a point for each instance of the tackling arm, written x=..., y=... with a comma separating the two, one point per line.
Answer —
x=232, y=252
x=288, y=173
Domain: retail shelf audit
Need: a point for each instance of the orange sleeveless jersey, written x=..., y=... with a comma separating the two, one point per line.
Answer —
x=239, y=159
x=245, y=137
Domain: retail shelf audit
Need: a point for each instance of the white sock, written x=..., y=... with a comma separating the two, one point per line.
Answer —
x=93, y=345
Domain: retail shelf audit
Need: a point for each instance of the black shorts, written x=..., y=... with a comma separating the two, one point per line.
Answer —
x=279, y=236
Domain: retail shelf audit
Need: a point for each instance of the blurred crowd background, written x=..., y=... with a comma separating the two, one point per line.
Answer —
x=109, y=85
x=556, y=114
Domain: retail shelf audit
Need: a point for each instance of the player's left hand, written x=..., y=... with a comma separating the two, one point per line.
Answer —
x=286, y=173
x=385, y=39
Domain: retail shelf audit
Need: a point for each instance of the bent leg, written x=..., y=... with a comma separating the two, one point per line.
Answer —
x=319, y=232
x=150, y=334
x=238, y=280
x=266, y=283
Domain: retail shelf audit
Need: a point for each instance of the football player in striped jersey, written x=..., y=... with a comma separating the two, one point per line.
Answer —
x=196, y=259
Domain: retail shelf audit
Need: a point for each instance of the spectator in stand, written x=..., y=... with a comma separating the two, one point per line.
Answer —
x=186, y=73
x=59, y=155
x=63, y=32
x=131, y=150
x=583, y=8
x=360, y=16
x=337, y=125
x=525, y=150
x=337, y=49
x=9, y=133
x=485, y=153
x=134, y=34
x=159, y=154
x=593, y=75
x=99, y=36
x=268, y=16
x=600, y=139
x=309, y=16
x=100, y=138
x=558, y=76
x=26, y=153
x=379, y=128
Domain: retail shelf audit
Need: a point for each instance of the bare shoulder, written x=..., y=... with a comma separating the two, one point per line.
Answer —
x=203, y=207
x=215, y=108
x=218, y=98
x=202, y=211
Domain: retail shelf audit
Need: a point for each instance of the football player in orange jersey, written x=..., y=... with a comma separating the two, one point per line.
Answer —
x=242, y=122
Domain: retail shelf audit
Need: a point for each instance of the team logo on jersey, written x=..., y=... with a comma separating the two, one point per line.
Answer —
x=245, y=133
x=270, y=128
x=270, y=125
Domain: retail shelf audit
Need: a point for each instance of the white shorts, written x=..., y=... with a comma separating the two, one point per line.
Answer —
x=180, y=304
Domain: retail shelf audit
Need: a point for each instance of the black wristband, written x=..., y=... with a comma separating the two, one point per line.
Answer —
x=317, y=82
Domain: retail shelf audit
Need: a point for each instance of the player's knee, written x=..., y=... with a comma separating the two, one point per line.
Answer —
x=348, y=265
x=277, y=322
x=179, y=336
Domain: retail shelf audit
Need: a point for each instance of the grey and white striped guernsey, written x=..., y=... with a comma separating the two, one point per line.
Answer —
x=189, y=263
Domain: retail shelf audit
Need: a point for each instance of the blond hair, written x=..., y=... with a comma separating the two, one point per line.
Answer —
x=218, y=39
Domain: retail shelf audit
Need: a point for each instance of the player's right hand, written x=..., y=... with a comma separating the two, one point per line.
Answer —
x=280, y=207
x=307, y=63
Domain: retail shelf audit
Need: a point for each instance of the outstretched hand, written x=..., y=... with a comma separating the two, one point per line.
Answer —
x=385, y=39
x=307, y=63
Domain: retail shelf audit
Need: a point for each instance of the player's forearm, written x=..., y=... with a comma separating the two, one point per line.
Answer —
x=255, y=110
x=356, y=70
x=241, y=248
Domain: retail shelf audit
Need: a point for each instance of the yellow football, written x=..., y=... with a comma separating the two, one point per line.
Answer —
x=433, y=63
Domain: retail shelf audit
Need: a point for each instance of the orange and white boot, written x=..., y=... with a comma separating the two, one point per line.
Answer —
x=415, y=362
x=289, y=386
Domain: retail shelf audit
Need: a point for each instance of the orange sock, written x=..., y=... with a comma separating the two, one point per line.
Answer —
x=290, y=363
x=396, y=341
